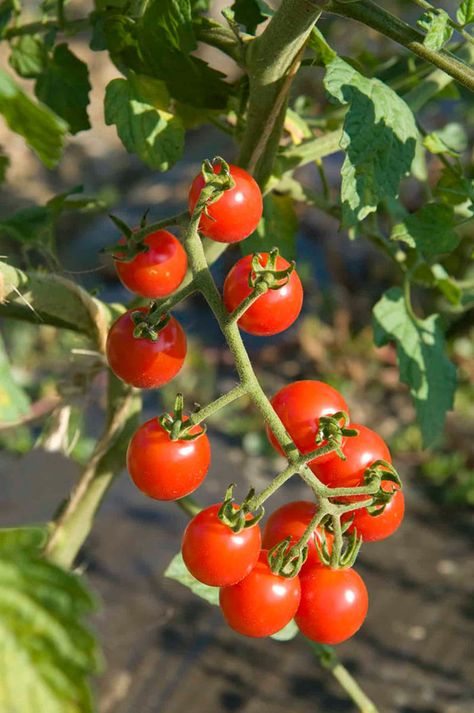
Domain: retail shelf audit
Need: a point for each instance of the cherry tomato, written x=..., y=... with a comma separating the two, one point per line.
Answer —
x=333, y=606
x=378, y=527
x=142, y=362
x=166, y=469
x=157, y=272
x=360, y=451
x=216, y=555
x=300, y=406
x=291, y=520
x=272, y=312
x=236, y=213
x=262, y=603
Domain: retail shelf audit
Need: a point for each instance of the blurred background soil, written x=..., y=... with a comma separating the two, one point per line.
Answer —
x=166, y=651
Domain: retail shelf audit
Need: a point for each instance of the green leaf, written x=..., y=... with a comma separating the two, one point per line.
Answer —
x=379, y=138
x=437, y=277
x=23, y=538
x=43, y=131
x=424, y=366
x=8, y=9
x=156, y=136
x=465, y=12
x=277, y=228
x=247, y=13
x=178, y=571
x=14, y=402
x=451, y=139
x=46, y=652
x=430, y=230
x=28, y=56
x=288, y=632
x=64, y=86
x=166, y=56
x=436, y=23
x=4, y=164
x=454, y=188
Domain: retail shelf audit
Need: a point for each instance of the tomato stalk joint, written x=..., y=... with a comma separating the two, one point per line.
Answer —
x=268, y=276
x=148, y=325
x=178, y=424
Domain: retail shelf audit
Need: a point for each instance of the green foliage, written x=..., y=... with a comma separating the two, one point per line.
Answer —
x=379, y=139
x=247, y=13
x=14, y=402
x=28, y=56
x=4, y=164
x=430, y=230
x=424, y=366
x=277, y=229
x=144, y=128
x=436, y=24
x=42, y=130
x=451, y=140
x=178, y=571
x=465, y=12
x=47, y=653
x=64, y=86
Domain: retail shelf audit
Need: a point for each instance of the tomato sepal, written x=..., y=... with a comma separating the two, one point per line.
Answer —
x=287, y=561
x=149, y=325
x=267, y=276
x=178, y=424
x=237, y=517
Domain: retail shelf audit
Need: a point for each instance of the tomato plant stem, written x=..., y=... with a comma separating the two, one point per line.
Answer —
x=210, y=409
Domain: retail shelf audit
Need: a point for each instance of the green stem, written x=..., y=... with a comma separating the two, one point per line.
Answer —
x=338, y=540
x=328, y=658
x=319, y=515
x=275, y=484
x=189, y=506
x=206, y=411
x=272, y=61
x=373, y=15
x=177, y=219
x=32, y=28
x=241, y=309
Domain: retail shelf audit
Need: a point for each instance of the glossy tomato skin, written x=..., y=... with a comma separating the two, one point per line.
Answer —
x=262, y=603
x=236, y=213
x=142, y=362
x=291, y=520
x=275, y=310
x=164, y=469
x=374, y=528
x=157, y=272
x=360, y=451
x=214, y=554
x=300, y=406
x=333, y=606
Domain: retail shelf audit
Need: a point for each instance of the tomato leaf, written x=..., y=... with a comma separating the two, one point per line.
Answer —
x=379, y=139
x=451, y=139
x=436, y=23
x=165, y=38
x=14, y=402
x=288, y=632
x=424, y=366
x=430, y=230
x=28, y=56
x=155, y=135
x=465, y=12
x=277, y=228
x=43, y=130
x=178, y=571
x=46, y=652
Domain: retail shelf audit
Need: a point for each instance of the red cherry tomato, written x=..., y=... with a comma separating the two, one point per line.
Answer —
x=300, y=405
x=157, y=272
x=236, y=213
x=334, y=604
x=378, y=527
x=360, y=451
x=166, y=469
x=142, y=362
x=262, y=603
x=272, y=312
x=291, y=520
x=216, y=555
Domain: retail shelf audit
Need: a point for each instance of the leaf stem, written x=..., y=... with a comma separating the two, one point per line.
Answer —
x=210, y=409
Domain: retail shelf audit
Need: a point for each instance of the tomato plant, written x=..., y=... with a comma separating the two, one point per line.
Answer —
x=164, y=468
x=293, y=100
x=215, y=554
x=272, y=312
x=333, y=606
x=262, y=603
x=156, y=272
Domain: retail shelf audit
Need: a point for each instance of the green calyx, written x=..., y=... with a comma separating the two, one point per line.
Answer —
x=332, y=431
x=379, y=471
x=347, y=555
x=216, y=183
x=268, y=277
x=129, y=247
x=178, y=424
x=287, y=561
x=237, y=517
x=148, y=325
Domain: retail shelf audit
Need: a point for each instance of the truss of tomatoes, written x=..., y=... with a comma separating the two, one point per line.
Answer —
x=169, y=457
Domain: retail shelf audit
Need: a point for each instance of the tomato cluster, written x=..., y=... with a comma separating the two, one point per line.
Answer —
x=168, y=457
